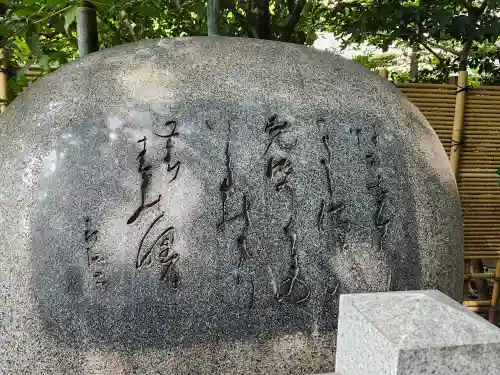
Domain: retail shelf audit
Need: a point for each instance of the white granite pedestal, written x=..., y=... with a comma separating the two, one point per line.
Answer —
x=417, y=332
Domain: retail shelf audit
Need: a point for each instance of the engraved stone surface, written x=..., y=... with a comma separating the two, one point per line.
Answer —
x=198, y=205
x=420, y=332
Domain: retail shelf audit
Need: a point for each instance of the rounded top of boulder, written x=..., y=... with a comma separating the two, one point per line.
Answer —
x=203, y=202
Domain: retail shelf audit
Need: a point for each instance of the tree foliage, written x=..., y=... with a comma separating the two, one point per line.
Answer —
x=456, y=28
x=450, y=34
x=43, y=32
x=374, y=62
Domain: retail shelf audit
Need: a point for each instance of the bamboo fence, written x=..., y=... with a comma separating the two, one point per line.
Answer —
x=32, y=75
x=467, y=121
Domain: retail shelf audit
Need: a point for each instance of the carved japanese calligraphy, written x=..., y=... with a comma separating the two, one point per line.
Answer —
x=95, y=259
x=321, y=216
x=227, y=185
x=209, y=125
x=167, y=257
x=294, y=282
x=342, y=226
x=371, y=160
x=274, y=129
x=227, y=189
x=144, y=258
x=283, y=167
x=241, y=241
x=374, y=135
x=357, y=132
x=169, y=146
x=100, y=279
x=173, y=132
x=326, y=163
x=90, y=240
x=381, y=223
x=334, y=210
x=146, y=180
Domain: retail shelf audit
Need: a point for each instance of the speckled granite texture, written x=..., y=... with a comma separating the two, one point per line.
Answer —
x=409, y=333
x=113, y=258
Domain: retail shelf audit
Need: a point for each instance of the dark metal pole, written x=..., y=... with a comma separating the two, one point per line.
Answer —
x=213, y=17
x=86, y=29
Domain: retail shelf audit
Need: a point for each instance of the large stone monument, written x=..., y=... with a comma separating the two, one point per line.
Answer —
x=197, y=206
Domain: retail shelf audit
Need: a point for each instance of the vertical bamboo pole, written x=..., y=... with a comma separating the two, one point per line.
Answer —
x=414, y=63
x=481, y=284
x=458, y=121
x=467, y=279
x=4, y=66
x=456, y=148
x=493, y=313
x=4, y=78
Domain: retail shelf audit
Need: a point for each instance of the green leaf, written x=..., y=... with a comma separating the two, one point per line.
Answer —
x=31, y=2
x=14, y=85
x=33, y=40
x=20, y=81
x=4, y=30
x=69, y=17
x=51, y=3
x=43, y=61
x=24, y=12
x=147, y=10
x=104, y=4
x=22, y=72
x=497, y=172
